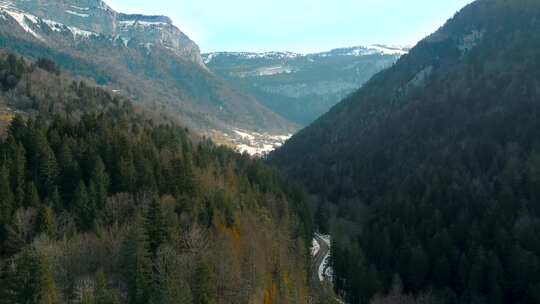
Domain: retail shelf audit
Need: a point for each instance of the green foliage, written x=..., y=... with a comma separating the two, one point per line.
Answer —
x=83, y=207
x=132, y=209
x=155, y=229
x=11, y=71
x=432, y=167
x=29, y=280
x=45, y=222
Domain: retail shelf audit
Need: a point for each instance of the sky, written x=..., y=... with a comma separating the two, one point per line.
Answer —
x=302, y=26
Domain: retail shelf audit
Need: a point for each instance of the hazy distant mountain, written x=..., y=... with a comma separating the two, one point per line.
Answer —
x=302, y=87
x=143, y=57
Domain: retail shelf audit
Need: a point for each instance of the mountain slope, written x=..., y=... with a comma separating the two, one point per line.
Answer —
x=433, y=165
x=302, y=87
x=144, y=57
x=102, y=202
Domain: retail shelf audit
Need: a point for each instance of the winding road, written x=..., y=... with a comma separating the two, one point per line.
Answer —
x=320, y=256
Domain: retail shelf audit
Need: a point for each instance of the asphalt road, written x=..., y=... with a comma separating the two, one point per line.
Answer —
x=318, y=259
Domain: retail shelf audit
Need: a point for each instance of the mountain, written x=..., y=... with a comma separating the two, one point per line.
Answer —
x=428, y=176
x=102, y=201
x=302, y=87
x=145, y=58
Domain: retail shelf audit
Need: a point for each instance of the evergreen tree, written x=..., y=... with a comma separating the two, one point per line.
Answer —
x=6, y=197
x=204, y=292
x=18, y=170
x=137, y=268
x=48, y=170
x=30, y=280
x=104, y=294
x=83, y=208
x=45, y=222
x=100, y=180
x=155, y=230
x=31, y=196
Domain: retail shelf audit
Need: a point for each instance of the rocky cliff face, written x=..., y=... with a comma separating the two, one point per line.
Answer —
x=143, y=57
x=95, y=16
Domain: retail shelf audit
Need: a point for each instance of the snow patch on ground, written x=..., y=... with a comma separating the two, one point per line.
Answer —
x=255, y=143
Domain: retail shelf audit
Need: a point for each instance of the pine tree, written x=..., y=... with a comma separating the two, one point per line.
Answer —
x=54, y=200
x=45, y=222
x=70, y=171
x=204, y=284
x=104, y=294
x=156, y=232
x=100, y=180
x=128, y=175
x=17, y=128
x=6, y=197
x=48, y=169
x=31, y=198
x=18, y=170
x=137, y=267
x=30, y=280
x=84, y=210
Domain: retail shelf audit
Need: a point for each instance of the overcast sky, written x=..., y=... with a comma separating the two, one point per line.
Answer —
x=298, y=25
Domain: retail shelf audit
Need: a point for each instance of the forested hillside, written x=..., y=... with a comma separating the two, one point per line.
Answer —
x=99, y=203
x=429, y=175
x=146, y=58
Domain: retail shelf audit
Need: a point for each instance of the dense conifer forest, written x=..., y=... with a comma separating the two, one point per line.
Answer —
x=429, y=175
x=100, y=202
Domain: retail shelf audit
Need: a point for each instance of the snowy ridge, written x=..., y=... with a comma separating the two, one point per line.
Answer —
x=26, y=21
x=250, y=55
x=141, y=23
x=376, y=49
x=29, y=22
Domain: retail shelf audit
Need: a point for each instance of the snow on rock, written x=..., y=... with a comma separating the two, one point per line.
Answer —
x=389, y=50
x=82, y=33
x=142, y=23
x=54, y=26
x=23, y=19
x=77, y=14
x=80, y=8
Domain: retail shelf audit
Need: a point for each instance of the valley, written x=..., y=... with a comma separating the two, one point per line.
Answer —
x=137, y=169
x=302, y=87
